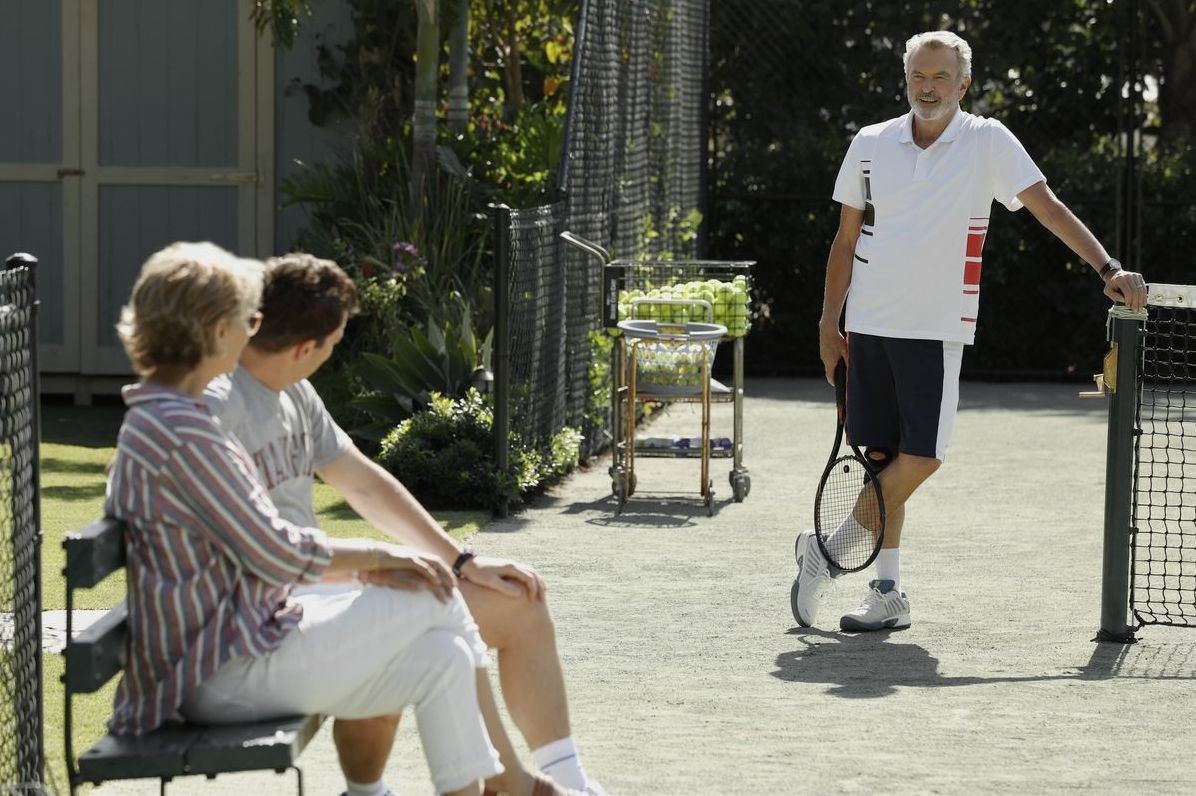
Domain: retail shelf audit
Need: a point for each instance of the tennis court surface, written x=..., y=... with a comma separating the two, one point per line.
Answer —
x=688, y=674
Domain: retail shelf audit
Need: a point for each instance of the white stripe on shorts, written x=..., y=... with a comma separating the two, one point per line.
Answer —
x=952, y=357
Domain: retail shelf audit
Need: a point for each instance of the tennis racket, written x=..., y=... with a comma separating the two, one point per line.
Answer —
x=849, y=510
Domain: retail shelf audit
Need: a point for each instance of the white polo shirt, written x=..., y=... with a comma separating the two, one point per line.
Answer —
x=917, y=265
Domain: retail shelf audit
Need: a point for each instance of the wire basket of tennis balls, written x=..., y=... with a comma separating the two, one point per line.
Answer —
x=672, y=356
x=728, y=296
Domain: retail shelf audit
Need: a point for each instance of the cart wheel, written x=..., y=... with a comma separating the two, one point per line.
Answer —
x=708, y=499
x=631, y=485
x=741, y=486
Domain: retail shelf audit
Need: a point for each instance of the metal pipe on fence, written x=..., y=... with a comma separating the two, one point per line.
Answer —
x=1125, y=332
x=502, y=346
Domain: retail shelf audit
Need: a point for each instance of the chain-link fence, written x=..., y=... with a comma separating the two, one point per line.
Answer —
x=632, y=181
x=21, y=750
x=1098, y=92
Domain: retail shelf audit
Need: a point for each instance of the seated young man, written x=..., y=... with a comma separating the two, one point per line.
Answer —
x=216, y=631
x=270, y=406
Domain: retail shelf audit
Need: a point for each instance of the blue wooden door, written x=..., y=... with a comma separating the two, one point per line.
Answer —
x=169, y=129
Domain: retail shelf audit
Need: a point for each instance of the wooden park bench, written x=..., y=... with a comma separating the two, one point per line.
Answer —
x=99, y=653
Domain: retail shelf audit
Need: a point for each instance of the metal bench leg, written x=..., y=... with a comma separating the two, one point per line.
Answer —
x=162, y=786
x=298, y=778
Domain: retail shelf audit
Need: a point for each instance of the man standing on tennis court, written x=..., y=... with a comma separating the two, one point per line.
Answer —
x=916, y=193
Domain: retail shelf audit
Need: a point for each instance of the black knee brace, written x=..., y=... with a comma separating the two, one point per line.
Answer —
x=879, y=458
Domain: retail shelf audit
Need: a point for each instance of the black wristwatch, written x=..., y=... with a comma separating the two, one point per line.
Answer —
x=1111, y=267
x=465, y=557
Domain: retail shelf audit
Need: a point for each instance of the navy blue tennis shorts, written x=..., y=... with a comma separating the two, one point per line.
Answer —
x=902, y=394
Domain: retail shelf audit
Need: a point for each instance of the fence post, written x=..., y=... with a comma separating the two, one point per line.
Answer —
x=30, y=615
x=1125, y=332
x=502, y=345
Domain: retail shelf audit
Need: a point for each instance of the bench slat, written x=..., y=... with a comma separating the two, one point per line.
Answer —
x=274, y=744
x=98, y=654
x=160, y=754
x=94, y=553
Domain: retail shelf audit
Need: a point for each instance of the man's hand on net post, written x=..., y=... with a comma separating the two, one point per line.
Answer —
x=1128, y=288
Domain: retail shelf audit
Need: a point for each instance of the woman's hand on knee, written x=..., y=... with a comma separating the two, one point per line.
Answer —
x=401, y=568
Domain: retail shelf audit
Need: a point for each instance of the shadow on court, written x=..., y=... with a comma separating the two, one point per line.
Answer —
x=851, y=664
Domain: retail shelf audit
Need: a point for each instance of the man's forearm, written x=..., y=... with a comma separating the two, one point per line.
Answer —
x=838, y=280
x=1077, y=237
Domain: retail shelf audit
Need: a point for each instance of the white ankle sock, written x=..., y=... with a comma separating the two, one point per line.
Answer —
x=845, y=538
x=888, y=565
x=561, y=761
x=365, y=789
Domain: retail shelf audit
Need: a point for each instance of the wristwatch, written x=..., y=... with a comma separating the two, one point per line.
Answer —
x=1111, y=267
x=465, y=557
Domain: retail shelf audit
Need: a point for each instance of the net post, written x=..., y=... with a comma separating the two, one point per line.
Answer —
x=502, y=346
x=1125, y=332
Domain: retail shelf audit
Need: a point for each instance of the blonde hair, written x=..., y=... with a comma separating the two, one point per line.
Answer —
x=941, y=38
x=181, y=295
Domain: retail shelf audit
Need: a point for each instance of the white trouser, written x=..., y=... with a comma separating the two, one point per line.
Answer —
x=363, y=653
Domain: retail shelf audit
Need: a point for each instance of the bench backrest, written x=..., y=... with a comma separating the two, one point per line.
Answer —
x=97, y=654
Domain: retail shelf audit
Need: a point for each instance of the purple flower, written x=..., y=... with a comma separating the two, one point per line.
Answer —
x=405, y=255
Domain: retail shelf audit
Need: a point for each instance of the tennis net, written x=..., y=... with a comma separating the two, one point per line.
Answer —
x=1163, y=565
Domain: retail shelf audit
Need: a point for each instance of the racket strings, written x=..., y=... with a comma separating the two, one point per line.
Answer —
x=849, y=514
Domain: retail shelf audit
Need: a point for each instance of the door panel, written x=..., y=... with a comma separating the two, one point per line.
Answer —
x=38, y=200
x=31, y=39
x=167, y=81
x=129, y=124
x=32, y=222
x=136, y=221
x=168, y=145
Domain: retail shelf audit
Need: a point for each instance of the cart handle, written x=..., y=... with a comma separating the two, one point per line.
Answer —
x=587, y=246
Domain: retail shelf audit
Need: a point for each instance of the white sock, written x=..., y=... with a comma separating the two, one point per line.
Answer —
x=888, y=565
x=365, y=789
x=842, y=538
x=561, y=761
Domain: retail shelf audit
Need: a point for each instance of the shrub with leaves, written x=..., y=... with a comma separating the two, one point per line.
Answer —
x=438, y=358
x=445, y=456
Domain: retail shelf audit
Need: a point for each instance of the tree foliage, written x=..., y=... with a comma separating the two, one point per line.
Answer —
x=793, y=82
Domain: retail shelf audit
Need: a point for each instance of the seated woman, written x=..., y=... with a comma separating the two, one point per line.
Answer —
x=215, y=634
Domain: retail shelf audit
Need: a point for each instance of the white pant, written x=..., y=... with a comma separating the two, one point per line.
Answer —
x=363, y=653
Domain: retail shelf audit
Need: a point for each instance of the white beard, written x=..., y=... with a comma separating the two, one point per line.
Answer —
x=930, y=113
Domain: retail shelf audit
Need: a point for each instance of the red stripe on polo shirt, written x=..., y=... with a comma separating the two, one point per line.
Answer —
x=975, y=243
x=971, y=272
x=968, y=320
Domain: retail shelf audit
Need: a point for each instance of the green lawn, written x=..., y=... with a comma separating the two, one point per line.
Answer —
x=77, y=443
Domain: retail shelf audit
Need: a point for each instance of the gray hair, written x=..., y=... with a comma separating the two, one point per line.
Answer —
x=941, y=38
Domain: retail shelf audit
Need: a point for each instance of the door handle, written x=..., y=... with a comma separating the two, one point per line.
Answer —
x=65, y=172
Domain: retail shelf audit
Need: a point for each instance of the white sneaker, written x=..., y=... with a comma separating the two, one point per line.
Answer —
x=813, y=579
x=884, y=608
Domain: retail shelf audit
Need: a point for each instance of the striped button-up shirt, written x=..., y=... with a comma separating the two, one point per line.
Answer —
x=210, y=562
